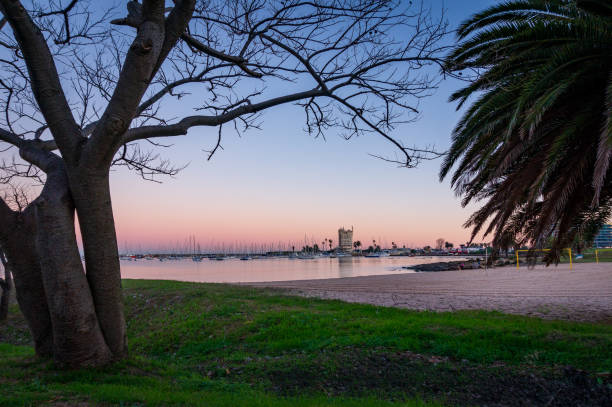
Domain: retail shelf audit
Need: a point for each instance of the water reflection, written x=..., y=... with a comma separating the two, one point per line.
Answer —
x=345, y=266
x=274, y=269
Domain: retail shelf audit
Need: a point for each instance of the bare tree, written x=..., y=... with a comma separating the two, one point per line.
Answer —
x=440, y=243
x=84, y=90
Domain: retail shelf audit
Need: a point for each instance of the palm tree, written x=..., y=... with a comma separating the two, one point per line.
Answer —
x=536, y=143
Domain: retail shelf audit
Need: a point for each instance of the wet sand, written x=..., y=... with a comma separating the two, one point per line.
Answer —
x=581, y=294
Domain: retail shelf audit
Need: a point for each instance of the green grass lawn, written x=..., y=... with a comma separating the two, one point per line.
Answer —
x=589, y=256
x=221, y=345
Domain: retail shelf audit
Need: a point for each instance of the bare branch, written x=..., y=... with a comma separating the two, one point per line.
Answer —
x=17, y=196
x=238, y=61
x=355, y=67
x=146, y=54
x=185, y=124
x=44, y=77
x=134, y=19
x=11, y=138
x=64, y=12
x=147, y=164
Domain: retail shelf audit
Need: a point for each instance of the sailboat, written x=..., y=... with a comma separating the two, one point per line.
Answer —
x=196, y=257
x=377, y=254
x=305, y=256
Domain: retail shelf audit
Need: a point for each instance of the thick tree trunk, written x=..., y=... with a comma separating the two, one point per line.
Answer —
x=91, y=193
x=5, y=286
x=19, y=247
x=30, y=292
x=77, y=337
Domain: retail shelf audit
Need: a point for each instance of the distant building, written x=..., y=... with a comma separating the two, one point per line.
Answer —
x=604, y=237
x=345, y=239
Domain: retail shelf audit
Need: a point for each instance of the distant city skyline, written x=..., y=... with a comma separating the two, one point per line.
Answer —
x=210, y=245
x=278, y=184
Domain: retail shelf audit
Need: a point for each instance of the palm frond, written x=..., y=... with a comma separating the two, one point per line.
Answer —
x=536, y=144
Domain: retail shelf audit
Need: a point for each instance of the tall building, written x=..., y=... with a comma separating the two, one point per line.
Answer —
x=345, y=239
x=604, y=237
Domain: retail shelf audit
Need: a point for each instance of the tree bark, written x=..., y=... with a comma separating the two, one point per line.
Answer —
x=77, y=337
x=31, y=296
x=19, y=247
x=5, y=285
x=91, y=193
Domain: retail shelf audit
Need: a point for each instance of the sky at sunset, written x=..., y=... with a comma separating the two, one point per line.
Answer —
x=281, y=185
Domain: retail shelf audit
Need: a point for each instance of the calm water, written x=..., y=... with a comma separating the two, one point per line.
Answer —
x=274, y=269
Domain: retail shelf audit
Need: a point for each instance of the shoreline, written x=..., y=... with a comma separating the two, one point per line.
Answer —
x=268, y=270
x=581, y=294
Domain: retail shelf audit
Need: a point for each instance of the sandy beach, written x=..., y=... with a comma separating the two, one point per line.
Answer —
x=581, y=294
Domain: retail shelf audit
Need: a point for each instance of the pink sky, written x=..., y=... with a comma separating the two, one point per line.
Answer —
x=279, y=184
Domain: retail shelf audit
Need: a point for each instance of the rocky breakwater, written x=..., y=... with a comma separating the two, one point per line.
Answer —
x=441, y=266
x=456, y=265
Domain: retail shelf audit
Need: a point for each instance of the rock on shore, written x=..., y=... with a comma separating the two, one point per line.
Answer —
x=454, y=265
x=441, y=266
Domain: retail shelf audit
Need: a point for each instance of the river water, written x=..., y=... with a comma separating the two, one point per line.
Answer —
x=269, y=269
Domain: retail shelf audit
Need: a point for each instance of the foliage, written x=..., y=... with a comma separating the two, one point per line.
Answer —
x=536, y=143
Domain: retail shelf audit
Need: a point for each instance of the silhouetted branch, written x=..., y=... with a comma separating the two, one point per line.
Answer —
x=355, y=67
x=146, y=163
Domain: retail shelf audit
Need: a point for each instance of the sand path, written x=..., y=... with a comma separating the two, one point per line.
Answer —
x=582, y=294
